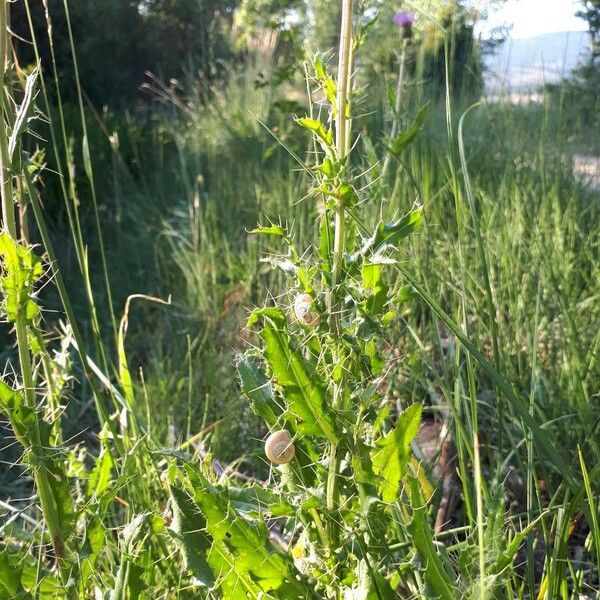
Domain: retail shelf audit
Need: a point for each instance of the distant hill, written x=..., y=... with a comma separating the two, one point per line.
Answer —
x=521, y=64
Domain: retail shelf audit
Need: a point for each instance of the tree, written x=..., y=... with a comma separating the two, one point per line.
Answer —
x=591, y=13
x=117, y=41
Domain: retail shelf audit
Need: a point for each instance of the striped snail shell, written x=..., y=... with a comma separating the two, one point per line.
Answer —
x=304, y=311
x=279, y=447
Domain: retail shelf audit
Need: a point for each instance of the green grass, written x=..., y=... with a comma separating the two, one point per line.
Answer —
x=512, y=264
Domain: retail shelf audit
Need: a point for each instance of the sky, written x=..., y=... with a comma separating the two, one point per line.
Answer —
x=534, y=17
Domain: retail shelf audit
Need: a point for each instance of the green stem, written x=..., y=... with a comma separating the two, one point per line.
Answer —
x=342, y=148
x=342, y=138
x=332, y=498
x=397, y=107
x=41, y=476
x=8, y=209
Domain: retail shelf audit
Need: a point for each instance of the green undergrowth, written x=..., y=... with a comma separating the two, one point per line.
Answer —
x=458, y=286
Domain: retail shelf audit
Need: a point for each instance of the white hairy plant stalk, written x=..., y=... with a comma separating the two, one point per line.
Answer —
x=342, y=132
x=342, y=139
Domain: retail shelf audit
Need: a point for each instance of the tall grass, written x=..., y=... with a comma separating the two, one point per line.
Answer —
x=498, y=330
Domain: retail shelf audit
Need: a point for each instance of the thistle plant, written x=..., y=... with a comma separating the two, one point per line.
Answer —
x=340, y=484
x=21, y=269
x=345, y=511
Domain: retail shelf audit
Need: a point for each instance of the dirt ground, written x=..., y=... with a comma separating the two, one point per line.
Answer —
x=587, y=168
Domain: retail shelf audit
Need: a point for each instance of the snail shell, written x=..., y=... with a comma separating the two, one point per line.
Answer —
x=279, y=447
x=304, y=311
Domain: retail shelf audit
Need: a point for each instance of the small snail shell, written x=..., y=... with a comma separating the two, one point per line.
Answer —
x=304, y=312
x=279, y=447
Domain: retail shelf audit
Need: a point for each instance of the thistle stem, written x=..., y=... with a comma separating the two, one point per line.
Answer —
x=342, y=130
x=397, y=106
x=342, y=138
x=34, y=442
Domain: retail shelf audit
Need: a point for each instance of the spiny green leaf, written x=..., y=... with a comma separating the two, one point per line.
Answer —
x=404, y=138
x=376, y=289
x=393, y=232
x=6, y=392
x=94, y=543
x=274, y=314
x=325, y=245
x=22, y=418
x=246, y=543
x=100, y=476
x=507, y=556
x=405, y=294
x=130, y=536
x=257, y=388
x=259, y=502
x=325, y=80
x=437, y=574
x=10, y=578
x=303, y=391
x=270, y=230
x=392, y=453
x=24, y=421
x=347, y=195
x=188, y=528
x=324, y=136
x=23, y=268
x=390, y=234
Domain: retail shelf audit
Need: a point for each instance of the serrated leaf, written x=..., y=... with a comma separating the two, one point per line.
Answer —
x=392, y=453
x=347, y=195
x=284, y=263
x=404, y=138
x=246, y=543
x=22, y=269
x=130, y=535
x=257, y=388
x=390, y=234
x=405, y=294
x=270, y=230
x=100, y=476
x=324, y=136
x=188, y=528
x=10, y=578
x=375, y=288
x=325, y=80
x=93, y=544
x=274, y=314
x=302, y=389
x=22, y=418
x=6, y=392
x=325, y=245
x=258, y=502
x=259, y=391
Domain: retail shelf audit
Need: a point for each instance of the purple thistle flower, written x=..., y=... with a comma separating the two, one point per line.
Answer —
x=403, y=19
